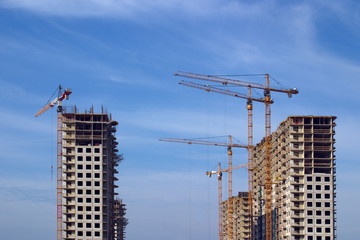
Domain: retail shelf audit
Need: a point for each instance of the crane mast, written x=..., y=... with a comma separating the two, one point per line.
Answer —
x=249, y=107
x=267, y=101
x=62, y=95
x=220, y=220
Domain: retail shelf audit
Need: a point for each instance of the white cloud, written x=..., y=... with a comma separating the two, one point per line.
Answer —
x=135, y=8
x=95, y=8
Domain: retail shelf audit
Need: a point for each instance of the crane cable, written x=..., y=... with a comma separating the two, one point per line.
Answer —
x=56, y=90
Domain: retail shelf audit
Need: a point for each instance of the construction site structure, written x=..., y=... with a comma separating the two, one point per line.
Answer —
x=242, y=217
x=230, y=211
x=268, y=148
x=303, y=176
x=120, y=221
x=88, y=159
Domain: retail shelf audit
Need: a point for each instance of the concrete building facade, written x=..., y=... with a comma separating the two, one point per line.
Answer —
x=303, y=180
x=89, y=158
x=120, y=220
x=241, y=217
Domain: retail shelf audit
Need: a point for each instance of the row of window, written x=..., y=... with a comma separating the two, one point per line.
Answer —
x=88, y=150
x=318, y=195
x=318, y=221
x=88, y=225
x=88, y=175
x=88, y=158
x=88, y=234
x=319, y=204
x=318, y=179
x=88, y=192
x=88, y=200
x=318, y=212
x=88, y=208
x=88, y=166
x=319, y=238
x=88, y=183
x=317, y=187
x=88, y=217
x=318, y=230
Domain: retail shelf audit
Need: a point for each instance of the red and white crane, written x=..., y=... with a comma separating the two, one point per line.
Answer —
x=62, y=95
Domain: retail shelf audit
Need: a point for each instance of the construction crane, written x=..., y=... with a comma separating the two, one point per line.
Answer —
x=62, y=95
x=229, y=146
x=267, y=101
x=249, y=107
x=219, y=173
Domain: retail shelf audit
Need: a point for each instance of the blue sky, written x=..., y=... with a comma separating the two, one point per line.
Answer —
x=122, y=54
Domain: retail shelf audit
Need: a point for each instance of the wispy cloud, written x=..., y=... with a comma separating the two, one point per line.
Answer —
x=134, y=8
x=83, y=8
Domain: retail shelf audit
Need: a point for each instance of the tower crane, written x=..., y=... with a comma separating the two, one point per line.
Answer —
x=219, y=173
x=267, y=101
x=229, y=146
x=249, y=108
x=62, y=95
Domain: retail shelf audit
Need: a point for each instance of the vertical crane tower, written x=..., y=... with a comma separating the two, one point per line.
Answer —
x=219, y=172
x=62, y=95
x=267, y=101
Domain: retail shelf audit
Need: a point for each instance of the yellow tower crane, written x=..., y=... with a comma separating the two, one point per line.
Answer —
x=220, y=210
x=267, y=101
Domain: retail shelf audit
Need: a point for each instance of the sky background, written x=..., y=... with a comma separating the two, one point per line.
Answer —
x=122, y=54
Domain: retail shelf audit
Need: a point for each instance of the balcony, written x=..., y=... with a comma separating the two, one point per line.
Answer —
x=69, y=186
x=297, y=207
x=68, y=153
x=69, y=170
x=299, y=215
x=70, y=219
x=70, y=195
x=69, y=144
x=67, y=162
x=70, y=178
x=297, y=182
x=69, y=203
x=68, y=136
x=69, y=127
x=71, y=211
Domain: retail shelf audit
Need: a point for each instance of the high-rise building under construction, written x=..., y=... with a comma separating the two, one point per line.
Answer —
x=89, y=157
x=303, y=180
x=241, y=221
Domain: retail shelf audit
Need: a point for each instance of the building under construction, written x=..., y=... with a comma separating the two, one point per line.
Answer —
x=120, y=220
x=303, y=180
x=241, y=221
x=86, y=209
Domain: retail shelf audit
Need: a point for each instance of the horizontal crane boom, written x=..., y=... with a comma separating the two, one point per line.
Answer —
x=227, y=169
x=235, y=82
x=223, y=91
x=202, y=142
